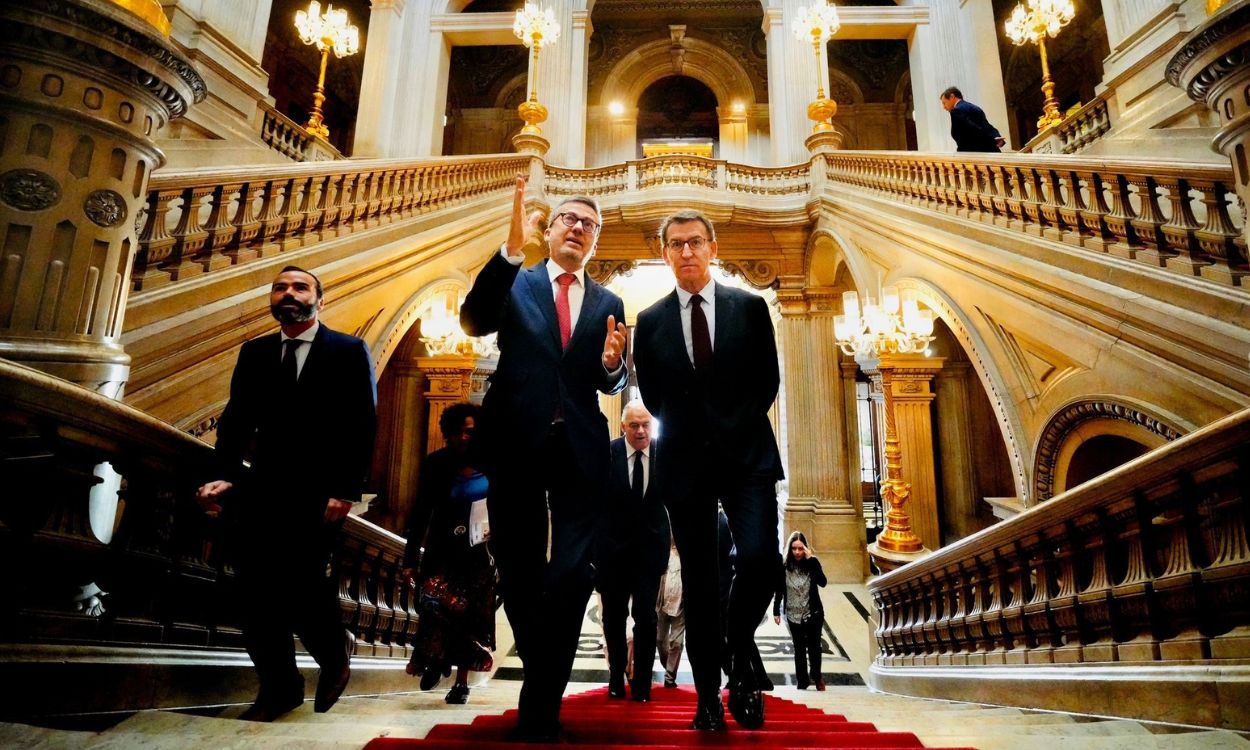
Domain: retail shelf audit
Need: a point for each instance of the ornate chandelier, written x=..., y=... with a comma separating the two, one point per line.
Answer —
x=1041, y=19
x=816, y=24
x=443, y=337
x=895, y=325
x=329, y=31
x=535, y=28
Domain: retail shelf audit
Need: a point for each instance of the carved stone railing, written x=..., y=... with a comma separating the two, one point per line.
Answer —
x=166, y=569
x=203, y=220
x=1170, y=214
x=1138, y=579
x=691, y=172
x=290, y=139
x=1078, y=130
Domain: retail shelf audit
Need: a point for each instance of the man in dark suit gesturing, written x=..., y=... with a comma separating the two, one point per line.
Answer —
x=707, y=367
x=636, y=544
x=304, y=400
x=545, y=441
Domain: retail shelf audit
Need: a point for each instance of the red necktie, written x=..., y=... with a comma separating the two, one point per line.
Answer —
x=562, y=308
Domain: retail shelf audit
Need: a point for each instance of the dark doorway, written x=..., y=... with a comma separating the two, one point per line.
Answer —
x=678, y=107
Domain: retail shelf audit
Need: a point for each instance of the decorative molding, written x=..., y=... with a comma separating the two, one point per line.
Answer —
x=1067, y=419
x=29, y=189
x=603, y=271
x=106, y=208
x=761, y=274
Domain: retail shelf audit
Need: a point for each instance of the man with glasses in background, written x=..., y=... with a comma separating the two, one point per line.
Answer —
x=562, y=340
x=707, y=368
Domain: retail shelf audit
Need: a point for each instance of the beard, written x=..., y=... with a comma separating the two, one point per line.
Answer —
x=290, y=311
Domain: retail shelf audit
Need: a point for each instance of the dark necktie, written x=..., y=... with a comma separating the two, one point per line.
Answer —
x=563, y=313
x=290, y=363
x=700, y=339
x=636, y=484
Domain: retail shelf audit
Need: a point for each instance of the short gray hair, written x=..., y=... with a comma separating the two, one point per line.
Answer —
x=682, y=217
x=633, y=404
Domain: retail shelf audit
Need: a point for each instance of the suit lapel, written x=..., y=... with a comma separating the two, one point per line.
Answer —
x=312, y=362
x=673, y=339
x=539, y=284
x=593, y=298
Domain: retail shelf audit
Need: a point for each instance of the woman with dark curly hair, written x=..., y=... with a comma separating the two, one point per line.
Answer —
x=456, y=573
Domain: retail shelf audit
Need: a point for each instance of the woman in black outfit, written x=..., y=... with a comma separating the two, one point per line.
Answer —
x=798, y=587
x=456, y=578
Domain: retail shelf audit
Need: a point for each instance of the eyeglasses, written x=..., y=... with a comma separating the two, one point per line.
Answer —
x=570, y=221
x=696, y=244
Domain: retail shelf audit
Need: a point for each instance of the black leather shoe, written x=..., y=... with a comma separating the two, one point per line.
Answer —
x=640, y=692
x=331, y=683
x=746, y=702
x=458, y=695
x=709, y=716
x=616, y=686
x=268, y=710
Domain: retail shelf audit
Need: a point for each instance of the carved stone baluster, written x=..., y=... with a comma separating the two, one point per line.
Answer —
x=1017, y=592
x=269, y=219
x=1093, y=217
x=1058, y=189
x=303, y=216
x=185, y=261
x=1040, y=619
x=1064, y=605
x=242, y=247
x=337, y=205
x=155, y=242
x=1119, y=220
x=1095, y=599
x=384, y=571
x=348, y=561
x=219, y=229
x=372, y=210
x=931, y=586
x=1132, y=595
x=942, y=627
x=978, y=589
x=992, y=617
x=1014, y=198
x=962, y=644
x=366, y=612
x=1072, y=207
x=1148, y=223
x=291, y=216
x=1180, y=230
x=913, y=619
x=997, y=192
x=1032, y=198
x=318, y=209
x=883, y=600
x=1217, y=238
x=1177, y=588
x=1226, y=581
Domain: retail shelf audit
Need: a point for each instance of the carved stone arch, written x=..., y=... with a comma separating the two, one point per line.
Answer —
x=856, y=263
x=505, y=97
x=705, y=62
x=392, y=335
x=843, y=89
x=987, y=371
x=903, y=94
x=1079, y=421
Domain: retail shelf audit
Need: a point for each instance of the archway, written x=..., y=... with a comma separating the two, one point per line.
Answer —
x=677, y=114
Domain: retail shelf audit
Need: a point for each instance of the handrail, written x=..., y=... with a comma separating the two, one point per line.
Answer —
x=1147, y=563
x=164, y=560
x=202, y=220
x=1078, y=130
x=290, y=139
x=1165, y=213
x=679, y=170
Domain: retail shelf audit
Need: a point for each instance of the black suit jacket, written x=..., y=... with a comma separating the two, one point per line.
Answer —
x=535, y=376
x=971, y=130
x=719, y=418
x=635, y=537
x=314, y=442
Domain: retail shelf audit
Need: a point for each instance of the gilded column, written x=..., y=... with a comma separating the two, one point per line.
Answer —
x=85, y=87
x=818, y=444
x=912, y=376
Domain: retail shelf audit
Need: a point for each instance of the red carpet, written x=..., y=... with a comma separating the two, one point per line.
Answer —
x=590, y=719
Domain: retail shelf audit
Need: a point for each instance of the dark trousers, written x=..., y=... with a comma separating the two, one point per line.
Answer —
x=751, y=506
x=544, y=599
x=286, y=586
x=806, y=639
x=617, y=590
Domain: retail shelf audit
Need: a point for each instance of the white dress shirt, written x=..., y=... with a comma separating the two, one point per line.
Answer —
x=301, y=351
x=646, y=465
x=577, y=290
x=708, y=293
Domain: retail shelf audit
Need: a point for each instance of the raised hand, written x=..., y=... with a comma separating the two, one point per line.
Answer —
x=614, y=344
x=522, y=228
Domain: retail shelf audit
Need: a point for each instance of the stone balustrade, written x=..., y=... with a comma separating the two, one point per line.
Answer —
x=1078, y=130
x=1176, y=215
x=202, y=220
x=1147, y=565
x=679, y=171
x=166, y=569
x=290, y=139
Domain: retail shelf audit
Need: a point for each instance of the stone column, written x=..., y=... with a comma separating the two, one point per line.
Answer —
x=1213, y=66
x=85, y=87
x=451, y=380
x=954, y=439
x=912, y=375
x=376, y=113
x=733, y=134
x=968, y=27
x=1136, y=29
x=576, y=80
x=817, y=462
x=421, y=101
x=792, y=80
x=564, y=97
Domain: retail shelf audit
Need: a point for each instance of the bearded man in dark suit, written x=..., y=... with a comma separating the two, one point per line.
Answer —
x=545, y=443
x=303, y=409
x=707, y=366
